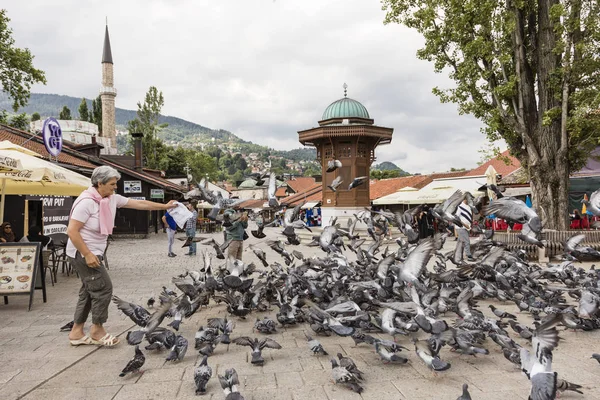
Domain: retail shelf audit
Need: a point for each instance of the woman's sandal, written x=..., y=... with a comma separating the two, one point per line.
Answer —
x=107, y=340
x=82, y=341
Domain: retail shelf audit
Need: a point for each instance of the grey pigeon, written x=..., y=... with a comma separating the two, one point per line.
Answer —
x=348, y=363
x=388, y=356
x=335, y=183
x=344, y=377
x=229, y=382
x=67, y=327
x=179, y=349
x=138, y=314
x=357, y=182
x=596, y=357
x=225, y=326
x=332, y=165
x=265, y=325
x=202, y=374
x=135, y=363
x=315, y=346
x=257, y=346
x=465, y=393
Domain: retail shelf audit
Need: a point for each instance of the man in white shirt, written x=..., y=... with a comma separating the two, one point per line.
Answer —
x=465, y=214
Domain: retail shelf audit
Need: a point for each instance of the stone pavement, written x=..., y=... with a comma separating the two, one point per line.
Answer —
x=36, y=361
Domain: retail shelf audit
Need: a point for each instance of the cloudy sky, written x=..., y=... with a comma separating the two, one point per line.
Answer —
x=261, y=69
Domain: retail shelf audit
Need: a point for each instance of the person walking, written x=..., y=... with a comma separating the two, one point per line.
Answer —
x=465, y=214
x=92, y=220
x=190, y=227
x=171, y=227
x=235, y=233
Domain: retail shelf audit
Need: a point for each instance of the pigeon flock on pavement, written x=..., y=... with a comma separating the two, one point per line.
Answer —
x=384, y=290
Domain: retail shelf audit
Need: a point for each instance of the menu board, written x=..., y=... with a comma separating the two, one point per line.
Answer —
x=19, y=265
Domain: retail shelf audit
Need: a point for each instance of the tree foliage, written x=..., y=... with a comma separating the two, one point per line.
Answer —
x=35, y=116
x=17, y=73
x=146, y=122
x=83, y=110
x=20, y=121
x=65, y=113
x=95, y=114
x=529, y=69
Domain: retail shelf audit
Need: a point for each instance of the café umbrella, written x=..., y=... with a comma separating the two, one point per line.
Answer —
x=22, y=172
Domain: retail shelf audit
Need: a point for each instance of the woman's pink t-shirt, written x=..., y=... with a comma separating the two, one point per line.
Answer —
x=86, y=211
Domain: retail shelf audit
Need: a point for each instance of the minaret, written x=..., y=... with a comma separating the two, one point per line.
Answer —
x=108, y=94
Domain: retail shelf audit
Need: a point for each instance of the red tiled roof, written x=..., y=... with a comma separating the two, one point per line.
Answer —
x=281, y=192
x=251, y=203
x=313, y=193
x=499, y=165
x=19, y=137
x=300, y=184
x=383, y=187
x=73, y=157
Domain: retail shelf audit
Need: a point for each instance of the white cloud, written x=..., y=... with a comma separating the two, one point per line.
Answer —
x=262, y=69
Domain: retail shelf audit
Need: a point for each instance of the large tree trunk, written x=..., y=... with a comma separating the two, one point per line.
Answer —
x=549, y=187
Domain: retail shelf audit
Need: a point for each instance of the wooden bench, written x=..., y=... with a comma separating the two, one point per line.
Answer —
x=554, y=241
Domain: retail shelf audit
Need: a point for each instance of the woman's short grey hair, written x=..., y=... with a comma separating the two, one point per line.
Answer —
x=104, y=174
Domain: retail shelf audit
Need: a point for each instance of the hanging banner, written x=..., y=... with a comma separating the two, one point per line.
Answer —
x=52, y=135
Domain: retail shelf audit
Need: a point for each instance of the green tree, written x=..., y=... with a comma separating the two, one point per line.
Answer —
x=95, y=114
x=20, y=121
x=17, y=73
x=65, y=113
x=35, y=116
x=529, y=69
x=384, y=174
x=83, y=110
x=146, y=122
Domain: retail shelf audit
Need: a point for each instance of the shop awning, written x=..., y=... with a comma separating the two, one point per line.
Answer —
x=434, y=193
x=517, y=191
x=309, y=205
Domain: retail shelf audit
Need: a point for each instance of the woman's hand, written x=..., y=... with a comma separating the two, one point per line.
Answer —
x=91, y=260
x=2, y=240
x=170, y=204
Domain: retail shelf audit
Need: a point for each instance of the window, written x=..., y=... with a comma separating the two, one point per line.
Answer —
x=362, y=151
x=345, y=149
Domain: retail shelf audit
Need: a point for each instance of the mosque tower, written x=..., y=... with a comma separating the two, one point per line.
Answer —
x=108, y=94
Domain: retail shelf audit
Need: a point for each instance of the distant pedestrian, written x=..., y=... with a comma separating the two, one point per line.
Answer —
x=465, y=214
x=235, y=233
x=190, y=227
x=171, y=227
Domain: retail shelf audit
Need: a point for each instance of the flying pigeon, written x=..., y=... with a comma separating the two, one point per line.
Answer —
x=332, y=165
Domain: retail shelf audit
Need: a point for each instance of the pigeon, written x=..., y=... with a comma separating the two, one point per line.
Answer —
x=138, y=314
x=388, y=356
x=265, y=325
x=204, y=336
x=67, y=327
x=431, y=360
x=179, y=349
x=563, y=386
x=501, y=314
x=219, y=248
x=260, y=254
x=136, y=337
x=332, y=165
x=465, y=393
x=514, y=210
x=224, y=325
x=273, y=203
x=596, y=357
x=593, y=205
x=257, y=347
x=229, y=382
x=135, y=363
x=202, y=374
x=335, y=183
x=348, y=363
x=160, y=339
x=357, y=182
x=151, y=302
x=344, y=377
x=315, y=346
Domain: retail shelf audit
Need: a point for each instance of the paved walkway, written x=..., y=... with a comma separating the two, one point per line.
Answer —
x=38, y=363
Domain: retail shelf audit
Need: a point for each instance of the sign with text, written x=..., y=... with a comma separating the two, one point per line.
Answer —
x=52, y=135
x=19, y=265
x=56, y=213
x=132, y=186
x=157, y=194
